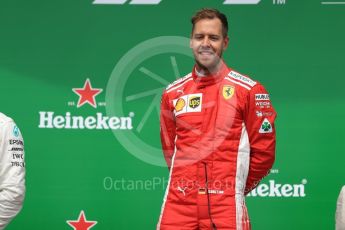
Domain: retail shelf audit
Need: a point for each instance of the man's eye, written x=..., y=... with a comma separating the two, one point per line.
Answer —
x=214, y=38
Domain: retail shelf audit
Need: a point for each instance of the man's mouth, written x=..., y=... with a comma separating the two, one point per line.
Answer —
x=206, y=53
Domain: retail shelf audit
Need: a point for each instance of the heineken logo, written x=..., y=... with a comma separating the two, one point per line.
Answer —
x=86, y=98
x=273, y=189
x=48, y=120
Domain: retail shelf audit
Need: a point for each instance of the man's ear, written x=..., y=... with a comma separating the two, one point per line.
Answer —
x=226, y=42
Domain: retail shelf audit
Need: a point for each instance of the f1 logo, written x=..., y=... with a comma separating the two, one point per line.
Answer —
x=156, y=2
x=134, y=2
x=242, y=2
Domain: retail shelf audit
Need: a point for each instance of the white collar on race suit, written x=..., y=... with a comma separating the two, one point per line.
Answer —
x=200, y=74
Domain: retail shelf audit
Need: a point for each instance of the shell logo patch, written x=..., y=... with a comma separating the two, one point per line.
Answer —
x=189, y=103
x=179, y=104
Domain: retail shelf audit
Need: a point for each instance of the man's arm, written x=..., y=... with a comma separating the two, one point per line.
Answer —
x=167, y=129
x=340, y=211
x=12, y=172
x=259, y=120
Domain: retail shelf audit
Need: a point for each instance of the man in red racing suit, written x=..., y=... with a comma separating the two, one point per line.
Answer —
x=218, y=139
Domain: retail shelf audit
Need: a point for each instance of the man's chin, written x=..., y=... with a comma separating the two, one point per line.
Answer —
x=209, y=66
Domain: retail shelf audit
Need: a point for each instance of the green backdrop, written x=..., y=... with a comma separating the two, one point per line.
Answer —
x=47, y=48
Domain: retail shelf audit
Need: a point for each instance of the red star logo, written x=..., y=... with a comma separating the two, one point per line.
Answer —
x=87, y=94
x=81, y=223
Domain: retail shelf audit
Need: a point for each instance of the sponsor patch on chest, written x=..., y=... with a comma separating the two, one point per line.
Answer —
x=188, y=104
x=265, y=127
x=228, y=91
x=262, y=97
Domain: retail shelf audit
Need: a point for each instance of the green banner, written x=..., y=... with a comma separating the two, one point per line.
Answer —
x=83, y=80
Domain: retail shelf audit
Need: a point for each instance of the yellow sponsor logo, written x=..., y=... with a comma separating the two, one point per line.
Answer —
x=194, y=102
x=228, y=91
x=180, y=105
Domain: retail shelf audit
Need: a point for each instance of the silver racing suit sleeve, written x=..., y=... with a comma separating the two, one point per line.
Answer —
x=12, y=171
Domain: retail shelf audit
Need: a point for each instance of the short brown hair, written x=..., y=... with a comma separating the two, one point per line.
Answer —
x=210, y=13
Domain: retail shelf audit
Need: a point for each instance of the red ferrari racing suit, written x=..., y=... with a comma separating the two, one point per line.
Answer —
x=218, y=140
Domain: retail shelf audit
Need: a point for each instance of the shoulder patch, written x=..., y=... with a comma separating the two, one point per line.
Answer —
x=237, y=83
x=239, y=77
x=180, y=80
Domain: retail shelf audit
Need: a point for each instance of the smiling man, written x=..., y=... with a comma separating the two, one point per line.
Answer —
x=217, y=134
x=208, y=40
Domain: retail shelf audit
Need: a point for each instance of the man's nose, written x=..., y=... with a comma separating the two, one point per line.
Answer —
x=206, y=41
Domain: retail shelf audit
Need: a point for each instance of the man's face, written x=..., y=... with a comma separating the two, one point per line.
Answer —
x=208, y=43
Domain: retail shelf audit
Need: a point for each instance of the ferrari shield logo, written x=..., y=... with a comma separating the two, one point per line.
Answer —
x=228, y=91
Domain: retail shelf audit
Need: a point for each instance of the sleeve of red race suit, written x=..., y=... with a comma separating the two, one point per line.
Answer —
x=259, y=119
x=12, y=172
x=167, y=129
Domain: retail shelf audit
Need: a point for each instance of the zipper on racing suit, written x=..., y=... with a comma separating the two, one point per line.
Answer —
x=213, y=225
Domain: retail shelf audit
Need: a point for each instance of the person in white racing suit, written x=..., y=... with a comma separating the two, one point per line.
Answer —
x=340, y=211
x=12, y=170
